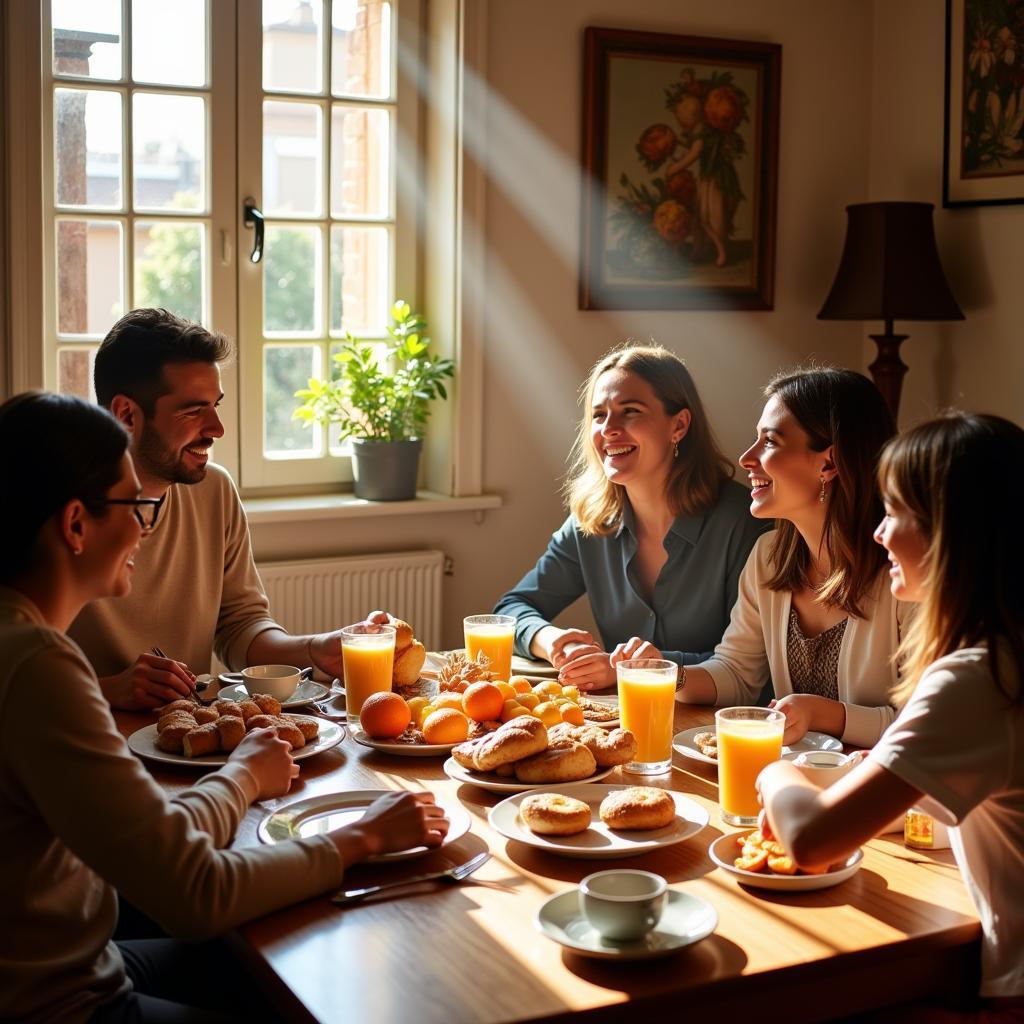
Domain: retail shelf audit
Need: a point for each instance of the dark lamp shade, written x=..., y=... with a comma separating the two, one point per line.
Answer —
x=890, y=269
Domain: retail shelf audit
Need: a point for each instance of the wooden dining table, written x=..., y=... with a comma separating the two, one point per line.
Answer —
x=901, y=928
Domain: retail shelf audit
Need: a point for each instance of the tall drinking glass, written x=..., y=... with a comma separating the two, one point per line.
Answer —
x=647, y=689
x=368, y=655
x=748, y=739
x=491, y=635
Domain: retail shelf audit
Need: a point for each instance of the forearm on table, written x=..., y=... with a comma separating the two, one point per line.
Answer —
x=540, y=643
x=699, y=688
x=278, y=647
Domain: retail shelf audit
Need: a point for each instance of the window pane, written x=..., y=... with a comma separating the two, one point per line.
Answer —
x=360, y=280
x=285, y=370
x=292, y=167
x=291, y=275
x=360, y=159
x=87, y=137
x=361, y=48
x=170, y=267
x=90, y=272
x=74, y=372
x=87, y=38
x=169, y=151
x=169, y=42
x=292, y=46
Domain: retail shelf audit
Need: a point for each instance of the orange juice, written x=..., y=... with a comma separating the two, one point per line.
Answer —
x=646, y=706
x=745, y=746
x=368, y=668
x=493, y=639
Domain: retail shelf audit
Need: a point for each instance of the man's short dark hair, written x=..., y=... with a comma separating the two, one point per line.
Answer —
x=131, y=359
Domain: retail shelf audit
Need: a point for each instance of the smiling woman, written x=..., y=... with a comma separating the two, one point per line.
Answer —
x=657, y=532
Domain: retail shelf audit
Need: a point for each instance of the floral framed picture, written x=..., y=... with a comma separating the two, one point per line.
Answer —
x=984, y=152
x=680, y=158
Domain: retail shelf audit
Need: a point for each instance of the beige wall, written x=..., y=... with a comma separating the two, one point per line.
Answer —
x=539, y=345
x=977, y=363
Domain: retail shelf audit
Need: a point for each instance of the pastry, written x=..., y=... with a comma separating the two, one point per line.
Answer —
x=224, y=706
x=707, y=744
x=552, y=814
x=463, y=754
x=204, y=715
x=178, y=705
x=230, y=731
x=639, y=807
x=517, y=738
x=249, y=708
x=403, y=633
x=267, y=704
x=260, y=722
x=289, y=731
x=610, y=747
x=560, y=764
x=175, y=717
x=176, y=728
x=307, y=725
x=205, y=739
x=595, y=711
x=408, y=664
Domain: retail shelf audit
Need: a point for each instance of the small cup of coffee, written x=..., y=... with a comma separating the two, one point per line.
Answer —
x=280, y=681
x=623, y=905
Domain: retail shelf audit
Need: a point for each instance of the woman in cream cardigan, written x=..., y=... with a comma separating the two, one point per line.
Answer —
x=814, y=612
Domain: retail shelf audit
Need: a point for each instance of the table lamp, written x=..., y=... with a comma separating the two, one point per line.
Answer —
x=890, y=270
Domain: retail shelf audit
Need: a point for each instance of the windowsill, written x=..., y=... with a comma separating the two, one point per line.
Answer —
x=348, y=506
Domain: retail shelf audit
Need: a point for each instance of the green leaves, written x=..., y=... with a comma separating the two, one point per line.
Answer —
x=368, y=401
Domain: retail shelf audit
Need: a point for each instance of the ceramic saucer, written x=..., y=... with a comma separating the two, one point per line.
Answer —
x=686, y=919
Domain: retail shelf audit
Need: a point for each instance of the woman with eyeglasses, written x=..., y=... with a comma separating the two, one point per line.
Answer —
x=79, y=816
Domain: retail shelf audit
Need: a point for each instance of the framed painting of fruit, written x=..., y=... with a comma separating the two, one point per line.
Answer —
x=984, y=154
x=680, y=157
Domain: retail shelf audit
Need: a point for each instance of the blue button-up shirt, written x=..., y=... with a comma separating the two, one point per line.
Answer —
x=693, y=595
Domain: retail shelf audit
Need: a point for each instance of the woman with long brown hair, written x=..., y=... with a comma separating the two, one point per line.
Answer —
x=814, y=611
x=657, y=532
x=953, y=490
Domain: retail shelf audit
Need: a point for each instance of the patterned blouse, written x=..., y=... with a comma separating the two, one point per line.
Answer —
x=814, y=660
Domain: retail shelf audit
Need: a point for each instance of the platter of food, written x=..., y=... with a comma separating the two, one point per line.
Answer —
x=764, y=864
x=600, y=709
x=144, y=743
x=596, y=822
x=318, y=815
x=700, y=744
x=686, y=919
x=494, y=783
x=404, y=748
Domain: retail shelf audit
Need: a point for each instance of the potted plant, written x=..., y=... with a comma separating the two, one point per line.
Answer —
x=381, y=403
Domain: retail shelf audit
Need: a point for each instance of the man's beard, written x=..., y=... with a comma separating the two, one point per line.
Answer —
x=156, y=459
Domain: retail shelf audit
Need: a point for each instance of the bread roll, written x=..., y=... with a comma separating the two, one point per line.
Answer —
x=205, y=739
x=249, y=708
x=562, y=764
x=230, y=730
x=517, y=738
x=174, y=732
x=552, y=814
x=204, y=715
x=260, y=722
x=408, y=663
x=289, y=731
x=639, y=807
x=403, y=633
x=267, y=704
x=227, y=707
x=177, y=705
x=306, y=724
x=174, y=718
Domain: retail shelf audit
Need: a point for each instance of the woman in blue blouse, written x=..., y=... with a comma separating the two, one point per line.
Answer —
x=657, y=532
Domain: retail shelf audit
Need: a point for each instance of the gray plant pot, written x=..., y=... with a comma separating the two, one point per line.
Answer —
x=385, y=470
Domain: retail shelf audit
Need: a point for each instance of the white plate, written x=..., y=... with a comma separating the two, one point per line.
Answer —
x=610, y=701
x=320, y=814
x=683, y=744
x=143, y=743
x=305, y=693
x=510, y=784
x=520, y=666
x=687, y=919
x=599, y=841
x=403, y=749
x=723, y=851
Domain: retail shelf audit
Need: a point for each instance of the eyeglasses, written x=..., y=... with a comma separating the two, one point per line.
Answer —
x=146, y=510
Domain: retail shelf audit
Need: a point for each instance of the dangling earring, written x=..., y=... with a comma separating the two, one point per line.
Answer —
x=675, y=450
x=821, y=497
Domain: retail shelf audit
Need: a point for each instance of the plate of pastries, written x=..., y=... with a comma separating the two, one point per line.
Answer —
x=523, y=753
x=598, y=821
x=701, y=744
x=204, y=735
x=764, y=864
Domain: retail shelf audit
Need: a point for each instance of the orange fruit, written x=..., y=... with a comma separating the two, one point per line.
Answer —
x=549, y=688
x=506, y=691
x=416, y=706
x=549, y=713
x=448, y=699
x=384, y=715
x=483, y=702
x=528, y=700
x=572, y=692
x=520, y=684
x=571, y=713
x=512, y=709
x=446, y=725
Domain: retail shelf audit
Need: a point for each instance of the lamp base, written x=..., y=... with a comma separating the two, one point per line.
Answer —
x=888, y=369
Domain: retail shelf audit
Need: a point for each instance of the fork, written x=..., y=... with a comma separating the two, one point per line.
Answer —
x=455, y=874
x=194, y=695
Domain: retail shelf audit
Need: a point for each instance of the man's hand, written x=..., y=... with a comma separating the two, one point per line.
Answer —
x=148, y=682
x=269, y=760
x=325, y=648
x=586, y=666
x=634, y=647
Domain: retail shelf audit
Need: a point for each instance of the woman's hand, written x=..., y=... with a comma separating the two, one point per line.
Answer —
x=556, y=643
x=148, y=683
x=588, y=667
x=806, y=711
x=269, y=760
x=635, y=647
x=396, y=821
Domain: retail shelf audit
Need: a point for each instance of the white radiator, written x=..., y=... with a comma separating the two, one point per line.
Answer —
x=317, y=595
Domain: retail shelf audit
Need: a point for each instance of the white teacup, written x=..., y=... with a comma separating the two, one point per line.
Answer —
x=823, y=767
x=623, y=905
x=280, y=681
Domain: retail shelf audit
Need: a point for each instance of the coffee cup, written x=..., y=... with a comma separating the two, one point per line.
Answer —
x=823, y=767
x=623, y=905
x=280, y=681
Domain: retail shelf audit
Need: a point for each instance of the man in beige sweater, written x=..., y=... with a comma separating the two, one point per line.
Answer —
x=196, y=588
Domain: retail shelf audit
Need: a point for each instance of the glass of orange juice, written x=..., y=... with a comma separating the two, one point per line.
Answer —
x=368, y=656
x=491, y=635
x=748, y=739
x=647, y=689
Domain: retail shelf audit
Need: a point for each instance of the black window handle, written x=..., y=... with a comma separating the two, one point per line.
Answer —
x=254, y=219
